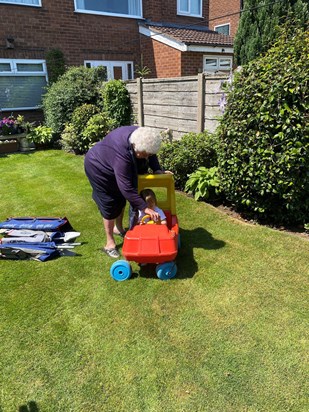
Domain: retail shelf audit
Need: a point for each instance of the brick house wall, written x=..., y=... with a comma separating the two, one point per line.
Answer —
x=162, y=60
x=79, y=36
x=165, y=62
x=225, y=8
x=166, y=10
x=192, y=63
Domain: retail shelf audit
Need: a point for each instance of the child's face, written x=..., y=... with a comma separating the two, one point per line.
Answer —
x=151, y=202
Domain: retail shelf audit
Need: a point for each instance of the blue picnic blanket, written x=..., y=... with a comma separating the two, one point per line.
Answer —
x=38, y=251
x=38, y=238
x=50, y=224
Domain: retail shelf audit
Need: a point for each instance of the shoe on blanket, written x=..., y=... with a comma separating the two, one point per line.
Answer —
x=113, y=252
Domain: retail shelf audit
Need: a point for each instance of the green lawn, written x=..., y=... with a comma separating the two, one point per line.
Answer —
x=229, y=333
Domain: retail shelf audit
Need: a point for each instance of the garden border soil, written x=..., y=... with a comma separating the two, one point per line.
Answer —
x=298, y=231
x=294, y=230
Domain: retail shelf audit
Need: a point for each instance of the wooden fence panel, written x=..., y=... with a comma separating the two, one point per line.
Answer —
x=178, y=112
x=184, y=104
x=170, y=85
x=171, y=99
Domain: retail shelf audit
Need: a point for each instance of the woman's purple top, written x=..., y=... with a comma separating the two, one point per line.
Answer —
x=112, y=166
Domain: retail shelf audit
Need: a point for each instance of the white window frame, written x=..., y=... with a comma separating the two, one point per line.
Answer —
x=102, y=13
x=22, y=3
x=110, y=64
x=218, y=66
x=189, y=13
x=222, y=25
x=14, y=73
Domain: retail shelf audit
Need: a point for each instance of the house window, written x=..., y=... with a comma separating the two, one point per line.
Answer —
x=214, y=63
x=190, y=7
x=115, y=70
x=22, y=83
x=23, y=2
x=223, y=28
x=127, y=8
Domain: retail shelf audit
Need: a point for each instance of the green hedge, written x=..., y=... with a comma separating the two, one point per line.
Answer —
x=186, y=155
x=263, y=147
x=77, y=86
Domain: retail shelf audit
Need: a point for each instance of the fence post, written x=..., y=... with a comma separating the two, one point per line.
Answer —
x=140, y=103
x=200, y=102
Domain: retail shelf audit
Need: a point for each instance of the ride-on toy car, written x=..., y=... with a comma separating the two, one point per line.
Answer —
x=151, y=242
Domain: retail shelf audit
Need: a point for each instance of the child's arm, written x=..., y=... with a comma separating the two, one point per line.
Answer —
x=162, y=217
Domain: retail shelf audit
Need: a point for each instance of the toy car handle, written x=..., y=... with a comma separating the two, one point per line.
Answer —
x=150, y=222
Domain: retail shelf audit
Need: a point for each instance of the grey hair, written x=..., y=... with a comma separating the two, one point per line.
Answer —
x=146, y=139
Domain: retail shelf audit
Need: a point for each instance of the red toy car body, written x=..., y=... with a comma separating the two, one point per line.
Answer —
x=152, y=243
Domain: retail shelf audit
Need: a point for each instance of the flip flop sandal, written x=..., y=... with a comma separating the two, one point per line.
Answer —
x=113, y=253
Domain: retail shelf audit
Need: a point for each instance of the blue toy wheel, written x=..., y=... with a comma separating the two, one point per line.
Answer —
x=120, y=270
x=166, y=270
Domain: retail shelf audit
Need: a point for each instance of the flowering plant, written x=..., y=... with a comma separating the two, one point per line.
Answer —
x=11, y=125
x=8, y=125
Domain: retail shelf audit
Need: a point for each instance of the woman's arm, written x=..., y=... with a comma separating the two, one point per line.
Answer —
x=155, y=166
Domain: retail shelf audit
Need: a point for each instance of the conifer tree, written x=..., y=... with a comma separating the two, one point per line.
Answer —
x=258, y=25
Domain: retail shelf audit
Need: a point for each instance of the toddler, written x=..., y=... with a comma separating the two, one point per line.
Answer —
x=150, y=198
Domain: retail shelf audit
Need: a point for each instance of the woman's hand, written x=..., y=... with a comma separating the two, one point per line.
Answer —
x=154, y=215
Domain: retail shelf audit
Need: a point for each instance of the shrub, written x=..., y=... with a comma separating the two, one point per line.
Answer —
x=87, y=127
x=69, y=139
x=77, y=86
x=81, y=115
x=186, y=155
x=203, y=183
x=263, y=147
x=116, y=102
x=98, y=126
x=41, y=134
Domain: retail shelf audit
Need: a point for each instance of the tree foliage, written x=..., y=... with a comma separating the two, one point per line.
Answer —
x=263, y=147
x=258, y=25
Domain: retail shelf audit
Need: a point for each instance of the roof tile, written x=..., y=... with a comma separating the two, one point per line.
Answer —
x=193, y=36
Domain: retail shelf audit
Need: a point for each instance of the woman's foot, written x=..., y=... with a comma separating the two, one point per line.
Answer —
x=112, y=252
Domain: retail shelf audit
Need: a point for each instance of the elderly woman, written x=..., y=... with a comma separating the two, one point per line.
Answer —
x=111, y=166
